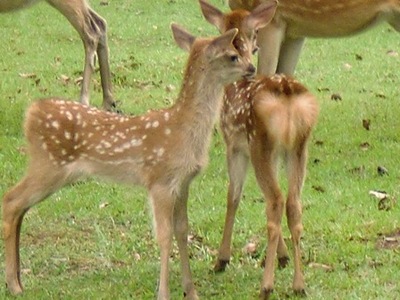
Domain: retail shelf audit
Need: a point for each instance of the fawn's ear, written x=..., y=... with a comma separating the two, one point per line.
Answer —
x=212, y=15
x=261, y=15
x=224, y=41
x=182, y=38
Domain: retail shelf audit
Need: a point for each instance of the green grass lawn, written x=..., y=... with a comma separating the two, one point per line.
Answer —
x=94, y=240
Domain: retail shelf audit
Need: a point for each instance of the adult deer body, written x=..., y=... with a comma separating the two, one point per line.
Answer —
x=281, y=41
x=92, y=30
x=161, y=150
x=263, y=120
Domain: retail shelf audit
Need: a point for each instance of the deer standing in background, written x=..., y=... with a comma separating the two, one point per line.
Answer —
x=263, y=120
x=281, y=41
x=93, y=32
x=162, y=150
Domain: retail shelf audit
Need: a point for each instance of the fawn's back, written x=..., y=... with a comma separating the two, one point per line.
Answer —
x=278, y=107
x=91, y=141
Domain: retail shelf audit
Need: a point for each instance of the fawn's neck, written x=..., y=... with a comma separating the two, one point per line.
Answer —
x=198, y=105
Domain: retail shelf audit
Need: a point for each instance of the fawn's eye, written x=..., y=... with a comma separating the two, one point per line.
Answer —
x=234, y=58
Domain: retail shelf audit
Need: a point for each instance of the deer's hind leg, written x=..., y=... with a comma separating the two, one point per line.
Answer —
x=33, y=188
x=237, y=167
x=92, y=29
x=296, y=169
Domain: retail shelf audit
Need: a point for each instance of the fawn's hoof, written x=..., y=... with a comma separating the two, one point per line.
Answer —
x=265, y=293
x=283, y=262
x=14, y=289
x=191, y=295
x=220, y=265
x=300, y=293
x=113, y=107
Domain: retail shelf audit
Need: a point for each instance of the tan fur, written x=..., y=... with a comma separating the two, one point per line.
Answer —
x=263, y=120
x=281, y=41
x=92, y=30
x=162, y=150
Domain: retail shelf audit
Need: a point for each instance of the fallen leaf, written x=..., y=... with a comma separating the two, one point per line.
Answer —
x=347, y=66
x=380, y=95
x=358, y=170
x=392, y=53
x=366, y=123
x=324, y=267
x=364, y=146
x=382, y=171
x=378, y=194
x=319, y=143
x=64, y=79
x=318, y=188
x=336, y=97
x=27, y=75
x=250, y=248
x=103, y=205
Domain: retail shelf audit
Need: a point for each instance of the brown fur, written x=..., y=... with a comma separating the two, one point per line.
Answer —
x=162, y=150
x=263, y=120
x=281, y=41
x=92, y=30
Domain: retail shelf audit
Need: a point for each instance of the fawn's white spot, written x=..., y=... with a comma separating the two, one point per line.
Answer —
x=167, y=131
x=166, y=116
x=55, y=124
x=155, y=124
x=159, y=151
x=136, y=142
x=69, y=115
x=67, y=135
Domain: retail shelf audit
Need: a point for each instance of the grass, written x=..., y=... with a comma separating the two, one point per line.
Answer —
x=94, y=240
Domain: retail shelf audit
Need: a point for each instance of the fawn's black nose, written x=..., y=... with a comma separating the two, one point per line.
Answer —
x=251, y=71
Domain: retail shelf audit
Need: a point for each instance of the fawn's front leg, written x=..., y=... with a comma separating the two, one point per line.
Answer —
x=162, y=203
x=181, y=226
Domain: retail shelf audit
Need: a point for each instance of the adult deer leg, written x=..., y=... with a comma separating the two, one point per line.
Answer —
x=289, y=55
x=93, y=31
x=269, y=40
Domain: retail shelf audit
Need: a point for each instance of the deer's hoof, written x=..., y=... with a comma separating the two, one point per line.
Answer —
x=220, y=265
x=265, y=293
x=300, y=293
x=283, y=262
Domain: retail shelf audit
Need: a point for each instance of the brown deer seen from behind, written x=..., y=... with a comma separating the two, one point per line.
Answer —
x=264, y=120
x=162, y=150
x=282, y=40
x=92, y=29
